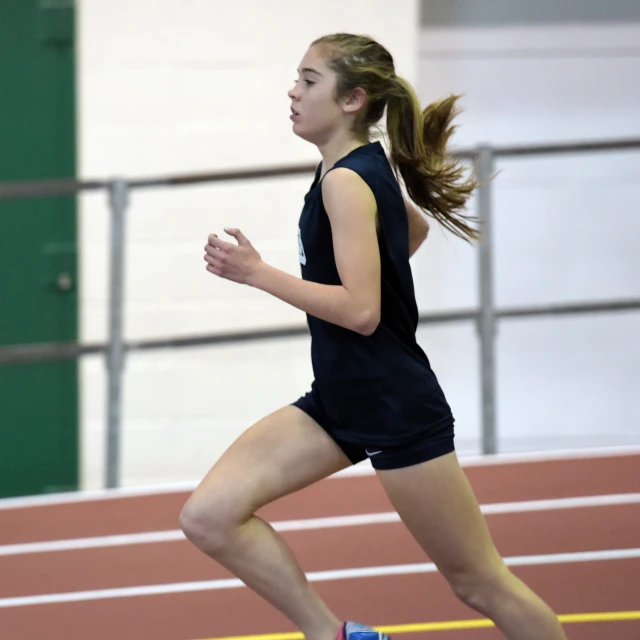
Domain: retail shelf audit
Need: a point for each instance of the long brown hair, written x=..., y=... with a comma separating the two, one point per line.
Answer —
x=417, y=138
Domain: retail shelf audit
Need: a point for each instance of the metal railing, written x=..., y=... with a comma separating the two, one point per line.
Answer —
x=115, y=349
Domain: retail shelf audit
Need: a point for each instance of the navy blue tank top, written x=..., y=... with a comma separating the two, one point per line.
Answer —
x=379, y=389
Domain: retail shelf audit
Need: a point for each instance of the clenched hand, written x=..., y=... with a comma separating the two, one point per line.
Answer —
x=238, y=263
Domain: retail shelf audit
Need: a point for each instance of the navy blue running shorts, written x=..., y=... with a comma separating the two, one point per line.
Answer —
x=433, y=444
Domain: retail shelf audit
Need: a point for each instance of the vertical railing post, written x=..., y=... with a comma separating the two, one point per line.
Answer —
x=118, y=200
x=486, y=316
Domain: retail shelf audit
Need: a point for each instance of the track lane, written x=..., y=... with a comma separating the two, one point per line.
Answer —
x=330, y=497
x=569, y=588
x=625, y=630
x=531, y=533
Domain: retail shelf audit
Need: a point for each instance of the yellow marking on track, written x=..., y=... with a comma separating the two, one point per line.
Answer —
x=456, y=625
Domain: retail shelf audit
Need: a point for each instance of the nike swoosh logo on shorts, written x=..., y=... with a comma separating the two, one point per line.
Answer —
x=372, y=453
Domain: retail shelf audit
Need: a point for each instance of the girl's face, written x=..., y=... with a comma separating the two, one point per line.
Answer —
x=316, y=114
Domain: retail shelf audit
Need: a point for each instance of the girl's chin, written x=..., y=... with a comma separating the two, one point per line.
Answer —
x=301, y=133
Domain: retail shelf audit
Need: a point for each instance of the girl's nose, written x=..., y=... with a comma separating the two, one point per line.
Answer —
x=292, y=92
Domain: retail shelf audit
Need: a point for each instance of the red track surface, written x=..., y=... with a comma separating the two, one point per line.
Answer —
x=582, y=587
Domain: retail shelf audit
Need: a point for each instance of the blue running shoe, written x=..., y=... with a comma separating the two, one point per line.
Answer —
x=357, y=631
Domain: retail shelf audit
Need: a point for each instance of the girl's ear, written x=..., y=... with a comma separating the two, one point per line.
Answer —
x=355, y=100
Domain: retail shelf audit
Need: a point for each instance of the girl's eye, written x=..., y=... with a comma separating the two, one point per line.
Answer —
x=307, y=82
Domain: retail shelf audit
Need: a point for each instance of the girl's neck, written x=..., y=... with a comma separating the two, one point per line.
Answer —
x=336, y=149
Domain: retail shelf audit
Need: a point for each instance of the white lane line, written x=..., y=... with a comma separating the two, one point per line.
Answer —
x=98, y=542
x=151, y=537
x=315, y=576
x=361, y=469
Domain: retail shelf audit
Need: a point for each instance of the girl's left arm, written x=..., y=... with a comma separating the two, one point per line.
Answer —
x=418, y=226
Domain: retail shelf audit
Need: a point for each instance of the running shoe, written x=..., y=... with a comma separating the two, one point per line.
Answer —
x=357, y=631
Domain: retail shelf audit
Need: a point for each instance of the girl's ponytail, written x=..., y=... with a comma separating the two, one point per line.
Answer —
x=418, y=141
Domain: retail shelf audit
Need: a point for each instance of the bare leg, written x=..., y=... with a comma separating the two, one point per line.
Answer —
x=280, y=454
x=438, y=506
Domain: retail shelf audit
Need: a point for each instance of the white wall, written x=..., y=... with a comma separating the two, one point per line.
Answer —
x=172, y=86
x=566, y=230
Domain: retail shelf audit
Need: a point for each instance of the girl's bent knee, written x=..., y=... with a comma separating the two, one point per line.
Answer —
x=470, y=593
x=208, y=529
x=479, y=590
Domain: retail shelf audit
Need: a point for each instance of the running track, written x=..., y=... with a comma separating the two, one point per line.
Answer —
x=570, y=527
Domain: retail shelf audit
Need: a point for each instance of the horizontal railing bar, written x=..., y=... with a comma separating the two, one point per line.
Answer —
x=41, y=352
x=569, y=309
x=223, y=176
x=536, y=311
x=219, y=338
x=47, y=188
x=252, y=174
x=568, y=147
x=64, y=186
x=69, y=350
x=445, y=317
x=47, y=351
x=61, y=187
